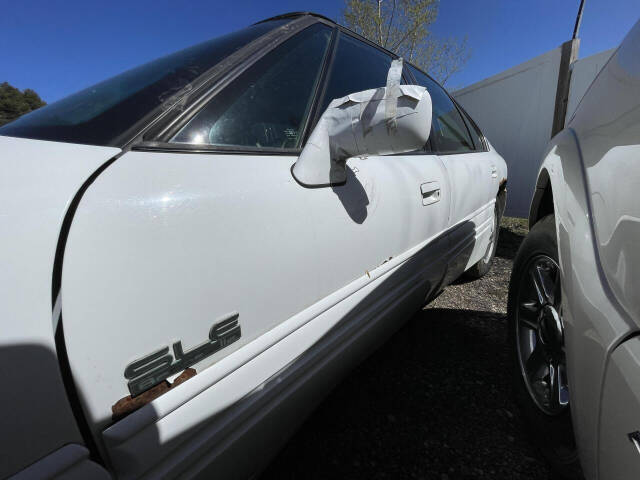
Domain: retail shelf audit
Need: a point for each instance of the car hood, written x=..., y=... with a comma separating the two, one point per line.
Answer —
x=38, y=181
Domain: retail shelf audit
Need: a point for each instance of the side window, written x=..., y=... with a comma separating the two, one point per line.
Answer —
x=356, y=67
x=449, y=132
x=266, y=106
x=476, y=134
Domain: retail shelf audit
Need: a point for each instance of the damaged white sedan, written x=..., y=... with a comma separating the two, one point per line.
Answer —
x=196, y=251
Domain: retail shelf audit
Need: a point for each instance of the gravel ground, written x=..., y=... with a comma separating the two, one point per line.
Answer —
x=433, y=402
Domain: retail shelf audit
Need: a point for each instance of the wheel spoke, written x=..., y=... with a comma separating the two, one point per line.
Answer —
x=537, y=286
x=556, y=289
x=548, y=280
x=562, y=385
x=528, y=314
x=535, y=362
x=545, y=279
x=554, y=387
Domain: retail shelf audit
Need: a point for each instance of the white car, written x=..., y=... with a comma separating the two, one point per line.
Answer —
x=195, y=251
x=574, y=299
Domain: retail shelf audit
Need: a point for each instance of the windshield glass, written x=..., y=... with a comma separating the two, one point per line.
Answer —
x=99, y=114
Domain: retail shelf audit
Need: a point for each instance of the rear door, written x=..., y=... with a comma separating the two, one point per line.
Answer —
x=402, y=200
x=202, y=252
x=471, y=172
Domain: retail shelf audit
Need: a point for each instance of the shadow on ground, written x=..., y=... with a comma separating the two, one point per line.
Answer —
x=512, y=233
x=433, y=402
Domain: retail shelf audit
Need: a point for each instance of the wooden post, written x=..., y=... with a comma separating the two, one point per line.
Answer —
x=569, y=54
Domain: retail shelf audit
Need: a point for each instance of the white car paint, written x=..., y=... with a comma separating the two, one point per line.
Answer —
x=159, y=244
x=194, y=237
x=38, y=182
x=592, y=170
x=463, y=169
x=70, y=462
x=142, y=252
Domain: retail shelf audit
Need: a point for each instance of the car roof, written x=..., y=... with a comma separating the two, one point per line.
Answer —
x=293, y=15
x=297, y=14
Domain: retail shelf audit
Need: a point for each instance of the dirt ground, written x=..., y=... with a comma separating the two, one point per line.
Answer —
x=433, y=402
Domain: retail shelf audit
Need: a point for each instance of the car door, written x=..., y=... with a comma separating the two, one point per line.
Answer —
x=201, y=251
x=392, y=203
x=472, y=174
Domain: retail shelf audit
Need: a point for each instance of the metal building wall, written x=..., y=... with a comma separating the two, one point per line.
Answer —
x=515, y=110
x=584, y=71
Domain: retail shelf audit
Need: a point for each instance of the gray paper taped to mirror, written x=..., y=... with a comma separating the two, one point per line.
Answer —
x=381, y=121
x=393, y=92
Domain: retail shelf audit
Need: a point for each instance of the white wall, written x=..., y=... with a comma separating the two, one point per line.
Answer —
x=514, y=109
x=584, y=72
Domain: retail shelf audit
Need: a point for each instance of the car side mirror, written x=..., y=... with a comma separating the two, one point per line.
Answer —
x=383, y=121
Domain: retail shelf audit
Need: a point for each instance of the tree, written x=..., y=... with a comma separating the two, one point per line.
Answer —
x=403, y=26
x=14, y=103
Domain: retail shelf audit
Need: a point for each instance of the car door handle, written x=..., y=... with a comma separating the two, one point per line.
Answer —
x=430, y=192
x=494, y=171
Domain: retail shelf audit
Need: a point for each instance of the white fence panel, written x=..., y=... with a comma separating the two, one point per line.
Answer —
x=514, y=109
x=584, y=71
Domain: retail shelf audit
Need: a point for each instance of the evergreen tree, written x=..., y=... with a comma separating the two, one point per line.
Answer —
x=14, y=103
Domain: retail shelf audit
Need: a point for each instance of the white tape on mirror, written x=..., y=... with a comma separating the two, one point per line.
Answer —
x=382, y=121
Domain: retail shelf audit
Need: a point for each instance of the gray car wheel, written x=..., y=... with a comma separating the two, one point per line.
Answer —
x=536, y=341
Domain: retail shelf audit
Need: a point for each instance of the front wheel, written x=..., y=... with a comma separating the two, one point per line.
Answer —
x=536, y=341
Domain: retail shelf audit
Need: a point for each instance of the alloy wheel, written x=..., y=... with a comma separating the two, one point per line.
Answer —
x=540, y=335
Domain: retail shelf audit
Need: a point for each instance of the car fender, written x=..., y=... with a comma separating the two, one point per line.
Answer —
x=38, y=184
x=594, y=322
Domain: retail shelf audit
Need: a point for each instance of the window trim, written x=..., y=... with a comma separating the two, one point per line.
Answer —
x=318, y=94
x=454, y=152
x=202, y=102
x=218, y=86
x=162, y=121
x=468, y=120
x=357, y=36
x=463, y=114
x=155, y=146
x=152, y=133
x=338, y=29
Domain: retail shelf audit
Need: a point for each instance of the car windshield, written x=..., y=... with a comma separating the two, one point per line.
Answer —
x=100, y=114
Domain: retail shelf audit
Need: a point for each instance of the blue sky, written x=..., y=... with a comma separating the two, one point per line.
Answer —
x=58, y=47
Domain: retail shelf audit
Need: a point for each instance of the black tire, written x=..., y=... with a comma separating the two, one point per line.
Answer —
x=482, y=267
x=552, y=433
